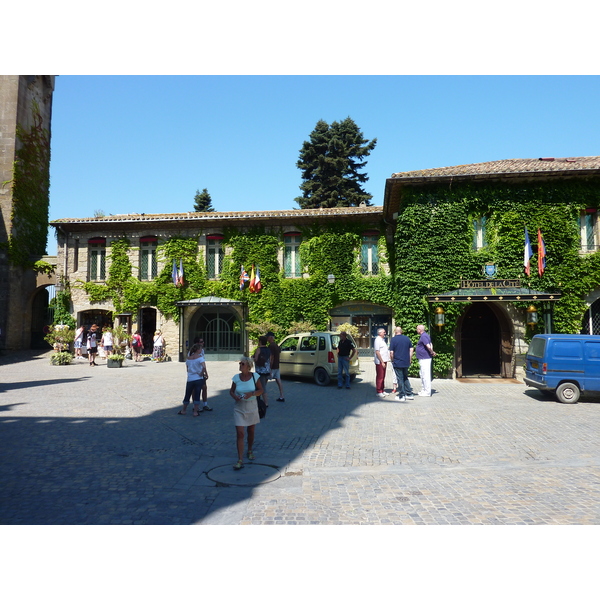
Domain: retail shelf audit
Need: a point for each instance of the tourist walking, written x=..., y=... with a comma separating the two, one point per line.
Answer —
x=275, y=352
x=382, y=358
x=158, y=345
x=196, y=371
x=345, y=352
x=107, y=341
x=92, y=345
x=401, y=352
x=262, y=360
x=136, y=346
x=78, y=342
x=245, y=387
x=205, y=405
x=424, y=354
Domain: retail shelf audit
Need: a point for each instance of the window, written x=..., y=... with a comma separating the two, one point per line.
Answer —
x=291, y=255
x=97, y=259
x=479, y=233
x=369, y=256
x=214, y=255
x=148, y=262
x=588, y=225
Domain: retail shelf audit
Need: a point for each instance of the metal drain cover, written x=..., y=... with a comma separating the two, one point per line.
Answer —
x=250, y=475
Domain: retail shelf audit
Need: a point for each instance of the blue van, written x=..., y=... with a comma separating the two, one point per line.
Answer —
x=568, y=365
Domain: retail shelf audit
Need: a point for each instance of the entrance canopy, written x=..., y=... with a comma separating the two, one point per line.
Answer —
x=221, y=322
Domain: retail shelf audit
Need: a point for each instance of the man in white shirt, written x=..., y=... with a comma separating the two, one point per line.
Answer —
x=382, y=358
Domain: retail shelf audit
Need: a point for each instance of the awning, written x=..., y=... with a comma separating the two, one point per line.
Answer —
x=492, y=294
x=210, y=300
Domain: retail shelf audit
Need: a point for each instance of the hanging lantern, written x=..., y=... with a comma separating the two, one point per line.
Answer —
x=532, y=316
x=440, y=318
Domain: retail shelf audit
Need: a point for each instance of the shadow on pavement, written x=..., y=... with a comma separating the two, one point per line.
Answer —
x=106, y=464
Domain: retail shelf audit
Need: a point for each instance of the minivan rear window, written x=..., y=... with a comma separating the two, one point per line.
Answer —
x=537, y=347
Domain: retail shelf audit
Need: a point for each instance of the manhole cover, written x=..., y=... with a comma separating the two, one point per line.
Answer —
x=252, y=474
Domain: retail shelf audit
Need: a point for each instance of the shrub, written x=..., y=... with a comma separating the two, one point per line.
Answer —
x=61, y=358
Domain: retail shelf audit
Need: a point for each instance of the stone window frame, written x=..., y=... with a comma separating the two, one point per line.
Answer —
x=97, y=250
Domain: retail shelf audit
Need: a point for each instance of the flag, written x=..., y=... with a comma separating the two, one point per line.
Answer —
x=251, y=287
x=541, y=254
x=527, y=254
x=257, y=283
x=180, y=279
x=244, y=277
x=174, y=273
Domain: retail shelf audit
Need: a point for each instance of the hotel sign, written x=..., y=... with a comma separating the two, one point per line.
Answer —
x=490, y=283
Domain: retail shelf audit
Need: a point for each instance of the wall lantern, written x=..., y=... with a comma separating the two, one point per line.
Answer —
x=440, y=318
x=331, y=278
x=532, y=316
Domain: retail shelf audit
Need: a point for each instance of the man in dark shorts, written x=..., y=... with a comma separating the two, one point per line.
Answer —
x=401, y=353
x=275, y=352
x=345, y=352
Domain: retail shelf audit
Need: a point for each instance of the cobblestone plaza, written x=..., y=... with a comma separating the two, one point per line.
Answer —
x=85, y=445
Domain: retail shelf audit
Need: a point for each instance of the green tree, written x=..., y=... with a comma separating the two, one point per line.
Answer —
x=330, y=162
x=203, y=201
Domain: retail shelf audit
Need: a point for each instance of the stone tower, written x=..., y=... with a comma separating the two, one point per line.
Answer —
x=25, y=115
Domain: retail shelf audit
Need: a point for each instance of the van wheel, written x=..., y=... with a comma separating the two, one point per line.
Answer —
x=322, y=377
x=568, y=393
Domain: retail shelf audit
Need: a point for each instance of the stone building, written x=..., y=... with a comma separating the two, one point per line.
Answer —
x=85, y=254
x=25, y=115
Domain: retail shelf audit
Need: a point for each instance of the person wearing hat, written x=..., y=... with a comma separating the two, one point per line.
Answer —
x=159, y=343
x=92, y=345
x=275, y=352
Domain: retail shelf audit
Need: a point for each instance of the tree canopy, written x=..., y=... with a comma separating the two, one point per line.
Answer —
x=330, y=162
x=203, y=201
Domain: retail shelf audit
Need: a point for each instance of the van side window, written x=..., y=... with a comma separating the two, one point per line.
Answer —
x=309, y=343
x=322, y=345
x=290, y=345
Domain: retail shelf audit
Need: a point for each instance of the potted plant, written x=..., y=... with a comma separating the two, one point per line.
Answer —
x=60, y=337
x=120, y=340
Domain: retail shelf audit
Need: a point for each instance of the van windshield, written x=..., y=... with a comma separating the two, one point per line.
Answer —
x=537, y=347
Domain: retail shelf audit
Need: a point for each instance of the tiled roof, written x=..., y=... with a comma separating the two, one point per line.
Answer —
x=297, y=214
x=509, y=166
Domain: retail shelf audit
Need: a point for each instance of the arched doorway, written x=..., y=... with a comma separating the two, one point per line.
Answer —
x=42, y=316
x=484, y=342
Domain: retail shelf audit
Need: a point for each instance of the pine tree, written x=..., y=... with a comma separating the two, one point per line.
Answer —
x=330, y=162
x=203, y=201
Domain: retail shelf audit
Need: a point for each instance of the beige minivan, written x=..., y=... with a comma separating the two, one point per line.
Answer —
x=314, y=355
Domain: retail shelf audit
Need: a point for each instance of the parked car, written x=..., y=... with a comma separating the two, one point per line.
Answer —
x=314, y=355
x=564, y=364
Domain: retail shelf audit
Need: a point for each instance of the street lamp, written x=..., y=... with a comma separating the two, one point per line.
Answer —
x=440, y=319
x=331, y=278
x=532, y=316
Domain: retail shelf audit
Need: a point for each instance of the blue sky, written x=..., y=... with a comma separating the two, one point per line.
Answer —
x=146, y=143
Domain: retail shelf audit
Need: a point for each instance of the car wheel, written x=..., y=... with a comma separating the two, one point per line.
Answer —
x=568, y=393
x=322, y=377
x=353, y=377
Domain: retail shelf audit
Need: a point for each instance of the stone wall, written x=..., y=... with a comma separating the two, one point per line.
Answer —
x=18, y=94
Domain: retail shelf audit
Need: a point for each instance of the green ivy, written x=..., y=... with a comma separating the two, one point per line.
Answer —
x=30, y=193
x=433, y=250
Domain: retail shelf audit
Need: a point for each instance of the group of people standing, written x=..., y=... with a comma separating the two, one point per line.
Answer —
x=400, y=353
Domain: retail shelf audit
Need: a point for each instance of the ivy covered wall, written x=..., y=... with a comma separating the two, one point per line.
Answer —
x=328, y=249
x=433, y=249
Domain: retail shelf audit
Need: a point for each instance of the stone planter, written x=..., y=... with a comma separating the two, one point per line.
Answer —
x=113, y=363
